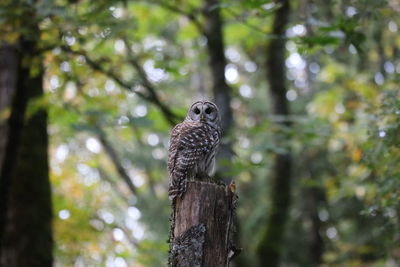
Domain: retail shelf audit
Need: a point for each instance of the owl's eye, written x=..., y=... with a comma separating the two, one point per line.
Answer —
x=196, y=111
x=208, y=110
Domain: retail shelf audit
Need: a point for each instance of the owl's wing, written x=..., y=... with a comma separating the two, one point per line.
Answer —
x=189, y=142
x=173, y=147
x=182, y=149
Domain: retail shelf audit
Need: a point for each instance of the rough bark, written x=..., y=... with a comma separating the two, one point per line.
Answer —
x=12, y=133
x=26, y=237
x=8, y=72
x=10, y=123
x=270, y=248
x=221, y=90
x=202, y=228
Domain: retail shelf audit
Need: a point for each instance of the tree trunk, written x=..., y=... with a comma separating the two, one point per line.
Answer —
x=221, y=90
x=213, y=31
x=316, y=243
x=315, y=199
x=8, y=79
x=202, y=227
x=10, y=123
x=26, y=211
x=270, y=248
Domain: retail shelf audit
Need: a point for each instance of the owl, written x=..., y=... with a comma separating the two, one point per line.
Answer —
x=193, y=146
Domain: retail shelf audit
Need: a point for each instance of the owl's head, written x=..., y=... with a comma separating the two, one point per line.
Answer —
x=204, y=111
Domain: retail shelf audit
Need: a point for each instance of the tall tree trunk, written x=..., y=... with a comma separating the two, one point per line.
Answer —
x=8, y=79
x=10, y=123
x=213, y=31
x=270, y=248
x=316, y=243
x=26, y=211
x=221, y=90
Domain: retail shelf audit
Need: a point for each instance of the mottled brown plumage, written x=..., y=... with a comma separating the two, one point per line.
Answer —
x=193, y=146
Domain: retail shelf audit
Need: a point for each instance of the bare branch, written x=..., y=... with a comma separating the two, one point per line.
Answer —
x=251, y=26
x=104, y=175
x=151, y=97
x=117, y=163
x=131, y=240
x=146, y=167
x=188, y=14
x=172, y=118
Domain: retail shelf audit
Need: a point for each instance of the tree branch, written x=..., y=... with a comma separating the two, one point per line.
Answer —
x=249, y=25
x=146, y=167
x=172, y=118
x=117, y=163
x=151, y=97
x=188, y=14
x=104, y=175
x=131, y=240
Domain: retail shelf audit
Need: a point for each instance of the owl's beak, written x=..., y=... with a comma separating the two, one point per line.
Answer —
x=202, y=118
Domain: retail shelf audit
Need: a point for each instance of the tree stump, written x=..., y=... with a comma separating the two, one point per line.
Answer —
x=202, y=226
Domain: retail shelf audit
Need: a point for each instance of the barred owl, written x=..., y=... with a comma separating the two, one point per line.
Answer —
x=193, y=146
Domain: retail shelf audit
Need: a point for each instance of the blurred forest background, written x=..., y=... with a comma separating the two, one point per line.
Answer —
x=310, y=102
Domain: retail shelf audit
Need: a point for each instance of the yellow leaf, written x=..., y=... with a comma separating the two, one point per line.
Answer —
x=356, y=154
